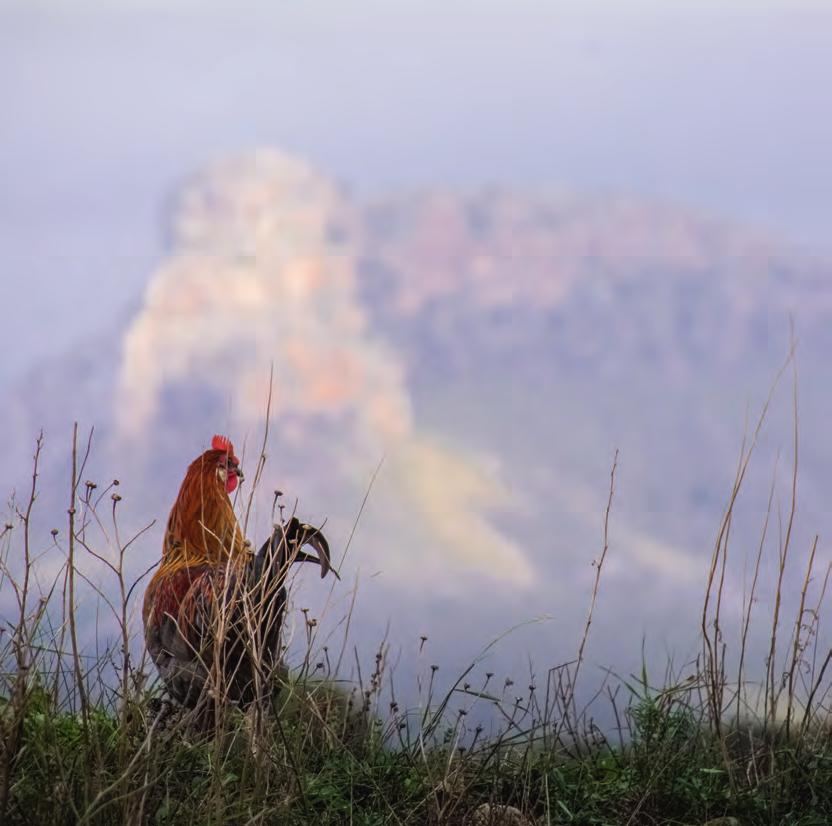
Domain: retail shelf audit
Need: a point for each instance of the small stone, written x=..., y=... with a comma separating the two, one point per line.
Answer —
x=722, y=821
x=494, y=814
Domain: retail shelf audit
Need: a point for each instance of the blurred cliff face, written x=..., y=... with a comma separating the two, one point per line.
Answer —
x=263, y=272
x=96, y=134
x=491, y=351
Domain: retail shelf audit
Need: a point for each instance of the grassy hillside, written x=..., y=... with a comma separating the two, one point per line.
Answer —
x=88, y=736
x=671, y=769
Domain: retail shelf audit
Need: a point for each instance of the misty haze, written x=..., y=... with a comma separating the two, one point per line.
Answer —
x=491, y=296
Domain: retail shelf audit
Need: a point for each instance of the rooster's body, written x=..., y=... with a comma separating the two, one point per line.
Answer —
x=213, y=610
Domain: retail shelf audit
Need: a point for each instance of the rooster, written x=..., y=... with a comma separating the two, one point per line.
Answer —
x=213, y=610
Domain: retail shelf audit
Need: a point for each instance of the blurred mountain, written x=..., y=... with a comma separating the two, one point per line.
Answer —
x=494, y=349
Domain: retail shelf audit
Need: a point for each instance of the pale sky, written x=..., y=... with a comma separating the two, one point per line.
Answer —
x=723, y=107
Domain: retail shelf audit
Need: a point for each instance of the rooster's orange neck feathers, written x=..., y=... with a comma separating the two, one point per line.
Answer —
x=202, y=527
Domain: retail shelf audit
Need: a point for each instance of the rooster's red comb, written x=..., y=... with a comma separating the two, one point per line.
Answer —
x=222, y=443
